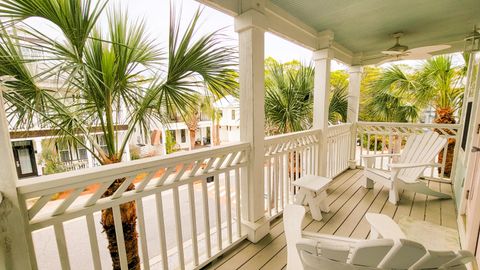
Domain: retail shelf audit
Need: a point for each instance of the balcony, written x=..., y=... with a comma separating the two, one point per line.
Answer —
x=348, y=204
x=175, y=202
x=184, y=220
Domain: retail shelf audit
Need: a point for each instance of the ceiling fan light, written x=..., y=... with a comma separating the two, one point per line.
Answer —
x=472, y=41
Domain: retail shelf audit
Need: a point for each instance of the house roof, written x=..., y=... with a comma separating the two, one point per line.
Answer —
x=227, y=102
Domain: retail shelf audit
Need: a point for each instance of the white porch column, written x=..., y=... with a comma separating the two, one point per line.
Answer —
x=14, y=248
x=321, y=90
x=164, y=141
x=355, y=80
x=251, y=30
x=90, y=158
x=38, y=155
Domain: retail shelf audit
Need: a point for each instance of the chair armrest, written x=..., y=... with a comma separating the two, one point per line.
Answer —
x=412, y=165
x=379, y=155
x=383, y=226
x=328, y=238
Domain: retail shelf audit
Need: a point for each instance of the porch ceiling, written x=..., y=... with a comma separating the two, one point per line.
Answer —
x=362, y=29
x=365, y=26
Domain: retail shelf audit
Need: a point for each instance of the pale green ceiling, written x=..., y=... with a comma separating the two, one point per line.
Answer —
x=366, y=25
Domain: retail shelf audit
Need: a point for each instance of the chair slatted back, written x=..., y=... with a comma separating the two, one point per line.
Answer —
x=405, y=254
x=435, y=259
x=371, y=252
x=420, y=148
x=316, y=251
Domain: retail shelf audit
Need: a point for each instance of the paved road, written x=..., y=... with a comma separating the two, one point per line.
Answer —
x=77, y=235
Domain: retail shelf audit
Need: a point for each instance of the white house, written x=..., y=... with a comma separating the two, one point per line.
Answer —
x=229, y=124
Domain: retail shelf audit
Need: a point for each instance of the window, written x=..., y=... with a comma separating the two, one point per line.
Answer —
x=63, y=149
x=81, y=150
x=183, y=135
x=233, y=114
x=103, y=144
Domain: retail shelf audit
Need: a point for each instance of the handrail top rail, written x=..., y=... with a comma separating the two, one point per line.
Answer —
x=292, y=135
x=275, y=138
x=135, y=166
x=400, y=124
x=340, y=125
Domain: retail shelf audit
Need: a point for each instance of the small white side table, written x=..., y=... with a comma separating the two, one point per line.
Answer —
x=313, y=192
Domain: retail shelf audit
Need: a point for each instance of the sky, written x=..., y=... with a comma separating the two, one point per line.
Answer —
x=156, y=14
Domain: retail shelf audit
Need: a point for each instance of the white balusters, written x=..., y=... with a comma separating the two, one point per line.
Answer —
x=156, y=180
x=392, y=136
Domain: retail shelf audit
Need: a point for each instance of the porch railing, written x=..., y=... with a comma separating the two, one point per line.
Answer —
x=289, y=156
x=190, y=219
x=338, y=149
x=382, y=138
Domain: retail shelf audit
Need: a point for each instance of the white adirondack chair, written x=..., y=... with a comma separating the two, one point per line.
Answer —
x=417, y=155
x=313, y=251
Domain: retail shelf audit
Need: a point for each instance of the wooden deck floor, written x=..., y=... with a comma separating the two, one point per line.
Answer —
x=348, y=204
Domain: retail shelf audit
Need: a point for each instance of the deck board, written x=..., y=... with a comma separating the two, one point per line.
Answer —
x=349, y=202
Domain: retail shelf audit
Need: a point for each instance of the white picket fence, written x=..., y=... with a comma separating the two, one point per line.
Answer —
x=194, y=222
x=382, y=138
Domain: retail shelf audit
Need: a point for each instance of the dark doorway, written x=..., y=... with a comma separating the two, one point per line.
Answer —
x=24, y=158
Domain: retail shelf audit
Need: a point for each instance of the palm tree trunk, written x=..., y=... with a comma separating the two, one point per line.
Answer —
x=191, y=133
x=129, y=220
x=216, y=140
x=445, y=116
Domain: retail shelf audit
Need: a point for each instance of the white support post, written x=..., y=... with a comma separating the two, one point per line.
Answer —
x=90, y=158
x=251, y=30
x=164, y=141
x=321, y=92
x=355, y=80
x=38, y=155
x=13, y=235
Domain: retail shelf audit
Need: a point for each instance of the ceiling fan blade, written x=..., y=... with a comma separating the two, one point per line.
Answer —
x=428, y=49
x=392, y=52
x=415, y=56
x=387, y=60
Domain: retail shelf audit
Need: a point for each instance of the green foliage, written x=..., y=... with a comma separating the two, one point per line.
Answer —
x=134, y=152
x=50, y=158
x=288, y=96
x=389, y=96
x=398, y=93
x=338, y=106
x=381, y=140
x=104, y=70
x=170, y=143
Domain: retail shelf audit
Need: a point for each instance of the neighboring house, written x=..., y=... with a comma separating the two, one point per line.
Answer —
x=179, y=133
x=38, y=151
x=36, y=148
x=229, y=127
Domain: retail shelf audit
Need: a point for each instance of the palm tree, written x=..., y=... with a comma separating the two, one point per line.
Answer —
x=288, y=97
x=104, y=72
x=389, y=96
x=338, y=106
x=388, y=100
x=398, y=96
x=440, y=85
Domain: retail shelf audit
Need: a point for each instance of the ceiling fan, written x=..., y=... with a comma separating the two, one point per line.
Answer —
x=401, y=52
